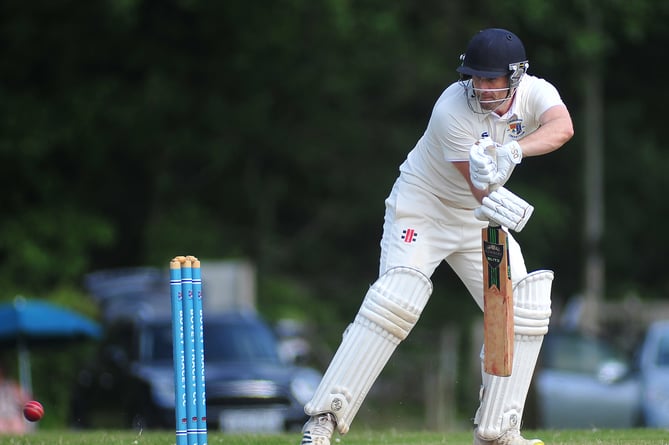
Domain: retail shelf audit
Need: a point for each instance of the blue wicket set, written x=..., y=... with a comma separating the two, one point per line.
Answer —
x=188, y=351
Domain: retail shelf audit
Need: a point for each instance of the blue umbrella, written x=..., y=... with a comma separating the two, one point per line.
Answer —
x=25, y=321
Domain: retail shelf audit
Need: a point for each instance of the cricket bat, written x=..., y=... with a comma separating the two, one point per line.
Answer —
x=497, y=301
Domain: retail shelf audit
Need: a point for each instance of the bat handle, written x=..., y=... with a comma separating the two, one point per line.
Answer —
x=489, y=144
x=490, y=151
x=492, y=188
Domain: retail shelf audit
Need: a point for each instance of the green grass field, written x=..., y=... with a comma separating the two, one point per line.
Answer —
x=565, y=437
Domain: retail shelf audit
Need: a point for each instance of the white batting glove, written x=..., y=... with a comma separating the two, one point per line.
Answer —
x=506, y=209
x=482, y=167
x=508, y=156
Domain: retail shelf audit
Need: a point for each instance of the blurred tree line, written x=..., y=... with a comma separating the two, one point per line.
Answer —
x=132, y=131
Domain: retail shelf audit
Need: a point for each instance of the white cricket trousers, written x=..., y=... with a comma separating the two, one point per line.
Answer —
x=421, y=230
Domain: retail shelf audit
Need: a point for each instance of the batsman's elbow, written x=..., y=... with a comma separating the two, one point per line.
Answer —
x=562, y=128
x=567, y=131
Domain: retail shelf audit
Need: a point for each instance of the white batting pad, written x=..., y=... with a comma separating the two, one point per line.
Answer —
x=389, y=311
x=503, y=398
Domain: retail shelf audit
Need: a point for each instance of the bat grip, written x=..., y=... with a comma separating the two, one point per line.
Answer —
x=490, y=151
x=492, y=188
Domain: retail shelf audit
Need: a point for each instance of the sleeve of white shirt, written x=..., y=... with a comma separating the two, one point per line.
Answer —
x=539, y=95
x=446, y=130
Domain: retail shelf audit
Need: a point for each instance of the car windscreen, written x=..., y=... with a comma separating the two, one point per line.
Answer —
x=239, y=342
x=575, y=353
x=228, y=342
x=662, y=358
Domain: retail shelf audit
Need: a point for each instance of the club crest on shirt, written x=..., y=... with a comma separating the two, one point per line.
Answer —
x=516, y=128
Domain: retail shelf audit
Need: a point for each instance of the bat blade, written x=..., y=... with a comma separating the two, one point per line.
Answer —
x=498, y=303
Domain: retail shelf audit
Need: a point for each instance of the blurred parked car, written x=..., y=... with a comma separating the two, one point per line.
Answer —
x=585, y=382
x=131, y=384
x=654, y=370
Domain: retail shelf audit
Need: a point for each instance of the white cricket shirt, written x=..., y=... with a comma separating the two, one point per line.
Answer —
x=453, y=128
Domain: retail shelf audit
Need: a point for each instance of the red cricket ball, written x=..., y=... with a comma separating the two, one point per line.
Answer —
x=33, y=411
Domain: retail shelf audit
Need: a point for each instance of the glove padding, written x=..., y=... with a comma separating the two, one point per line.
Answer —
x=506, y=209
x=482, y=166
x=508, y=156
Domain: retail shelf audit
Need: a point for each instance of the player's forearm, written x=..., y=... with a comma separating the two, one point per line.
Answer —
x=463, y=168
x=555, y=130
x=478, y=194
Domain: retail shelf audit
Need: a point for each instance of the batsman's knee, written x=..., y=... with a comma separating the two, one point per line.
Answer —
x=532, y=303
x=395, y=301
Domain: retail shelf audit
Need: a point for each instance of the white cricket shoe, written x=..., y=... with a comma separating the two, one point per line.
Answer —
x=318, y=430
x=511, y=437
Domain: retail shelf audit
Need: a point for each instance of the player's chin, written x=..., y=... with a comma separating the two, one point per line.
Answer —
x=489, y=103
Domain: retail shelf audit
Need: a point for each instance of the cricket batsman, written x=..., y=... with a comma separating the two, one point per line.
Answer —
x=435, y=212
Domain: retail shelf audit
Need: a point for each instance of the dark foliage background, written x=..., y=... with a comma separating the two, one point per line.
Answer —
x=132, y=131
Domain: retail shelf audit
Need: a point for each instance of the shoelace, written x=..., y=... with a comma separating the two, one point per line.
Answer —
x=512, y=436
x=324, y=425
